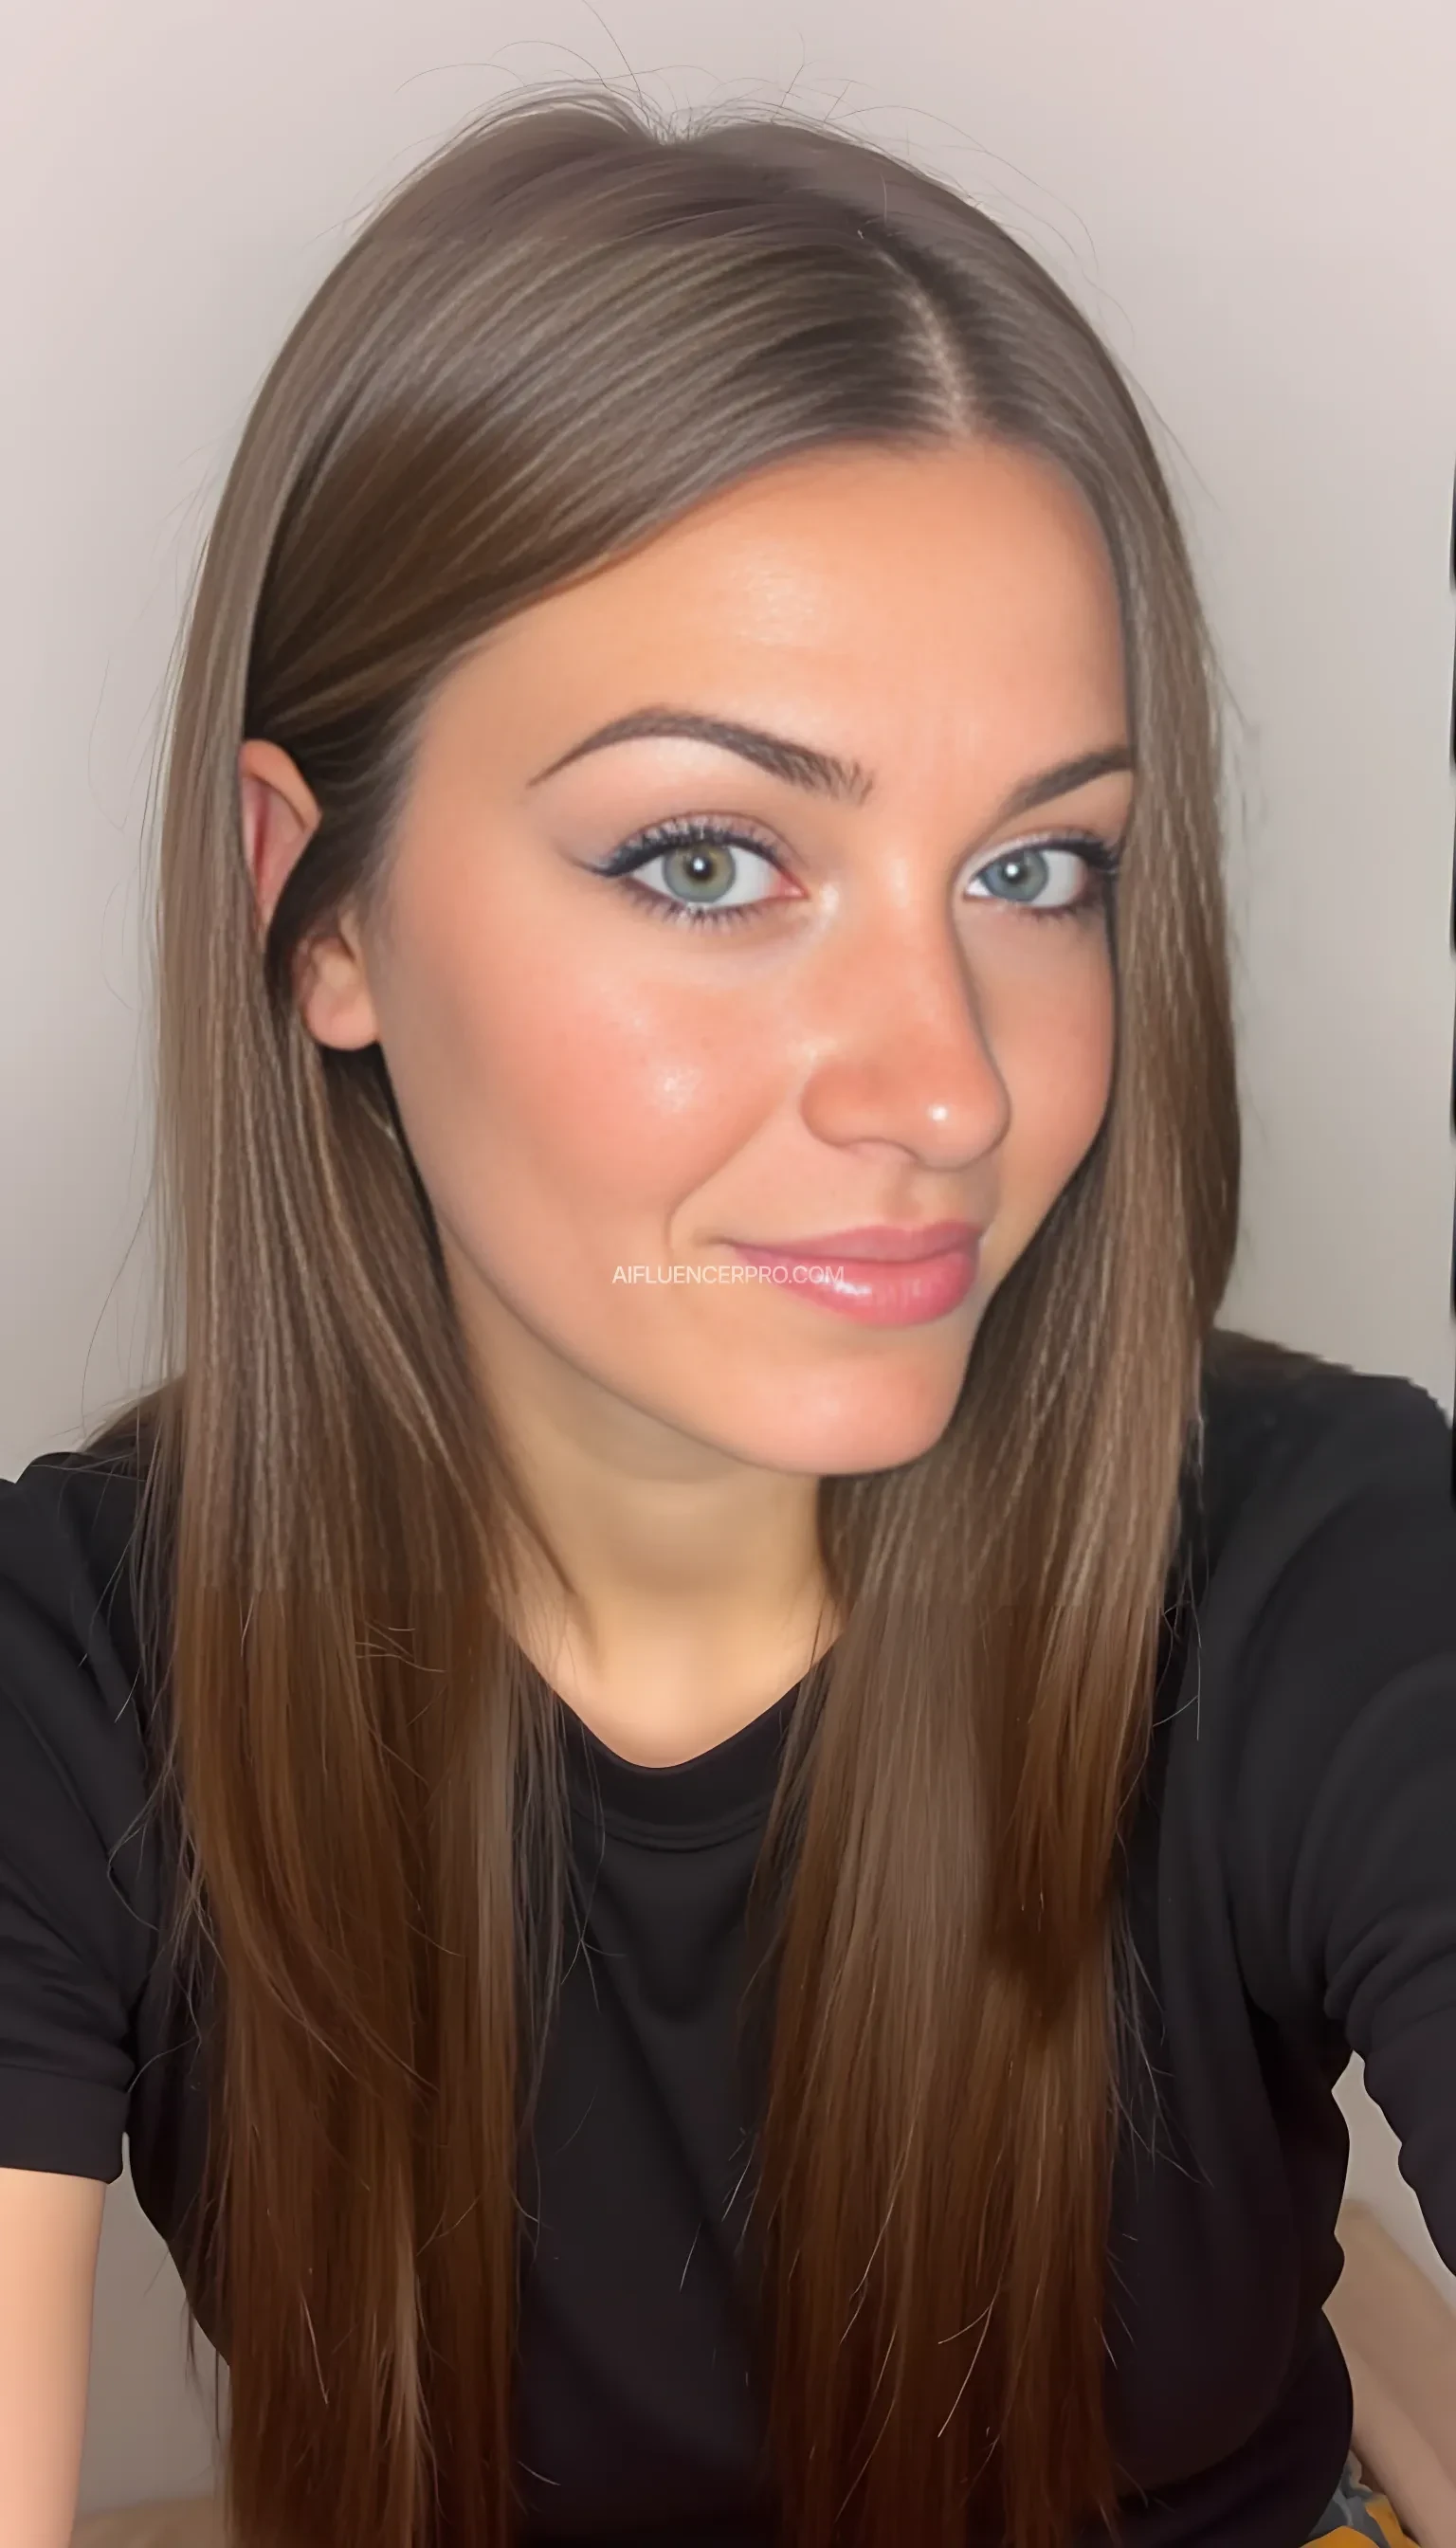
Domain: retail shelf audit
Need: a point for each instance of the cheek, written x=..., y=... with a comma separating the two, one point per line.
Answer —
x=1056, y=1059
x=569, y=1092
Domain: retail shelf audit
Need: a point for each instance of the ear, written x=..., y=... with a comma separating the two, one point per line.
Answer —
x=280, y=814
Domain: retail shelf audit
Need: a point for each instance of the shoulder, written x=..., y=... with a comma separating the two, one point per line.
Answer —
x=1290, y=1442
x=71, y=1666
x=1320, y=1686
x=1257, y=1393
x=78, y=1894
x=67, y=1519
x=1318, y=1568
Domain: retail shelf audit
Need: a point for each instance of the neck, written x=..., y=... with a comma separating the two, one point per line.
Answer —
x=693, y=1606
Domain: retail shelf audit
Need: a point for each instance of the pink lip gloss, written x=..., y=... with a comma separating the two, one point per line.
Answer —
x=877, y=1293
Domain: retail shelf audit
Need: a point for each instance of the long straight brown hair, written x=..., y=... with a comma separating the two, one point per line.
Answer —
x=568, y=326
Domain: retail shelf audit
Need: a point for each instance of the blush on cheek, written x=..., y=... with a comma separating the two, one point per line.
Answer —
x=635, y=1104
x=580, y=1122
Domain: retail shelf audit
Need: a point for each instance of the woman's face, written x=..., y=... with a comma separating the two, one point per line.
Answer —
x=902, y=1014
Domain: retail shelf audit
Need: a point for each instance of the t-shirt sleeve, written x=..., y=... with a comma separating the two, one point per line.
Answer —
x=69, y=1962
x=1347, y=1807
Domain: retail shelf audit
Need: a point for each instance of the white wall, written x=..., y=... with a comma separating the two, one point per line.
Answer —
x=1259, y=206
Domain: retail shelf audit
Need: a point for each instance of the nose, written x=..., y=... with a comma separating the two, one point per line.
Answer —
x=903, y=1052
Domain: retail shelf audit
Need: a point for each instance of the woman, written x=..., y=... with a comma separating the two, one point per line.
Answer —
x=719, y=1868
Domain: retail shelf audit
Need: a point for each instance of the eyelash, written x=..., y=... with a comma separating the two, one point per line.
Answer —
x=1103, y=858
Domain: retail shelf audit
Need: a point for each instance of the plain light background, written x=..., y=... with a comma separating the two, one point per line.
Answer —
x=1256, y=204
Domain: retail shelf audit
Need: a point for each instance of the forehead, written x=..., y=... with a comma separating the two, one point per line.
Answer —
x=970, y=583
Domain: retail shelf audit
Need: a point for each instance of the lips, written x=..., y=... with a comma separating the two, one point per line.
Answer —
x=877, y=1243
x=879, y=1277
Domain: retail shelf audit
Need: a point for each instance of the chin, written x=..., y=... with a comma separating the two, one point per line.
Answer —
x=848, y=1442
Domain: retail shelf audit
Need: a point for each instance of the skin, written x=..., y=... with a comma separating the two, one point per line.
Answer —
x=887, y=1036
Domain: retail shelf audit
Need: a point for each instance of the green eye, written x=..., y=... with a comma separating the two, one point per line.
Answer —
x=698, y=857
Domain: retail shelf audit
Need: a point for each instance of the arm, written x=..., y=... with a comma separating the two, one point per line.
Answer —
x=1345, y=1822
x=73, y=1950
x=49, y=2233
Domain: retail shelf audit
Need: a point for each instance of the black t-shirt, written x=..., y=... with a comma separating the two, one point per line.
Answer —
x=1292, y=1880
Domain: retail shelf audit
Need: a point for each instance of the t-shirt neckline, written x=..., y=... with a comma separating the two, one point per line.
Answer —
x=714, y=1793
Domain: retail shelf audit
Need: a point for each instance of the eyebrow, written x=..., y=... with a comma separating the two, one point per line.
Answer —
x=804, y=766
